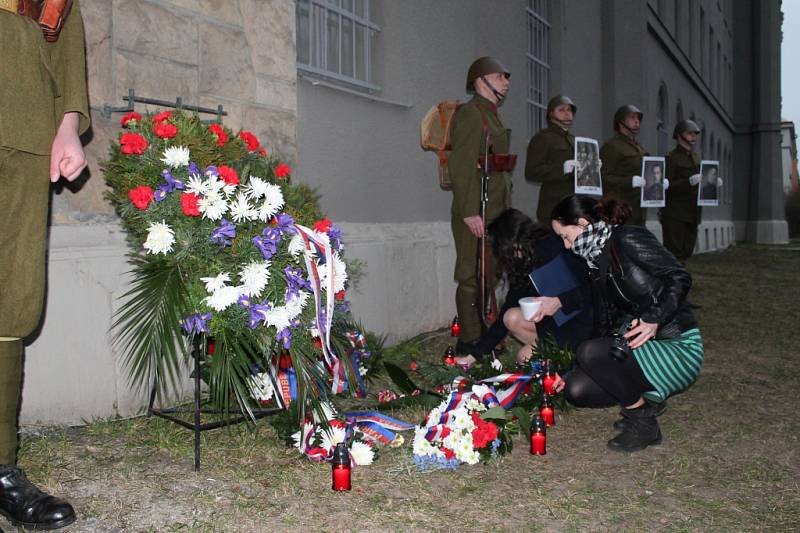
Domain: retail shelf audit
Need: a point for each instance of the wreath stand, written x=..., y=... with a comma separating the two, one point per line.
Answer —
x=197, y=426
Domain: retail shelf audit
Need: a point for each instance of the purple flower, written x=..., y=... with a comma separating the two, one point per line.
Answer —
x=194, y=168
x=211, y=171
x=244, y=301
x=343, y=306
x=295, y=279
x=284, y=223
x=267, y=247
x=161, y=193
x=224, y=233
x=258, y=313
x=195, y=323
x=285, y=336
x=172, y=181
x=335, y=235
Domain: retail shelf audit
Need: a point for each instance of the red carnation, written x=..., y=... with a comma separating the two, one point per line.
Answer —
x=217, y=130
x=322, y=226
x=228, y=175
x=189, y=204
x=413, y=365
x=141, y=196
x=262, y=152
x=282, y=170
x=133, y=143
x=339, y=296
x=133, y=116
x=448, y=453
x=165, y=130
x=250, y=140
x=161, y=117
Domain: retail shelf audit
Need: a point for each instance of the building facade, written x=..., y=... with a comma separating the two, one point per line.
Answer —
x=338, y=88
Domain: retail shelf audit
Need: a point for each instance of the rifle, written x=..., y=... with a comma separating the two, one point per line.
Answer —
x=487, y=300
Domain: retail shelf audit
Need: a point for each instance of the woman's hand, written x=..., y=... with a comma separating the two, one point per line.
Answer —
x=559, y=383
x=641, y=333
x=524, y=354
x=465, y=361
x=550, y=305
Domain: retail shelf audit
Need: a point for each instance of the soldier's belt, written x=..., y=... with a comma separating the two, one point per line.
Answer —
x=499, y=162
x=49, y=14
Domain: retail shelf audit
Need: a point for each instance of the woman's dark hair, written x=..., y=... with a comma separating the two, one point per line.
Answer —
x=513, y=235
x=575, y=206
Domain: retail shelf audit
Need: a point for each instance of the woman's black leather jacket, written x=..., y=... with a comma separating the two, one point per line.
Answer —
x=639, y=278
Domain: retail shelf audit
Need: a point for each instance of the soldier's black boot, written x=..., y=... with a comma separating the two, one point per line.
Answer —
x=641, y=430
x=28, y=507
x=658, y=410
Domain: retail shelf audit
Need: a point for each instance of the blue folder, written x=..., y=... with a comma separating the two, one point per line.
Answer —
x=553, y=278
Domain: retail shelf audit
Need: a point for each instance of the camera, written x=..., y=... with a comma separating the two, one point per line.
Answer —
x=620, y=350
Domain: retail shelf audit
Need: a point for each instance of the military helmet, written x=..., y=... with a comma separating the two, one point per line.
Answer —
x=624, y=111
x=483, y=66
x=684, y=126
x=560, y=100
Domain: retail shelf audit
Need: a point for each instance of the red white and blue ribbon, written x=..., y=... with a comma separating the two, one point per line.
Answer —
x=518, y=381
x=376, y=426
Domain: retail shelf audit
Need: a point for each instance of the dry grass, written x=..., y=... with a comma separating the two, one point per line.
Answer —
x=729, y=461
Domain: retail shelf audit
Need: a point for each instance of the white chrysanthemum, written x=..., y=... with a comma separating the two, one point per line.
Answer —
x=217, y=282
x=361, y=453
x=176, y=156
x=160, y=238
x=295, y=305
x=212, y=205
x=465, y=449
x=241, y=210
x=472, y=404
x=297, y=245
x=471, y=458
x=254, y=277
x=299, y=437
x=463, y=420
x=215, y=184
x=331, y=437
x=435, y=415
x=197, y=185
x=223, y=298
x=421, y=446
x=273, y=201
x=339, y=273
x=229, y=189
x=256, y=187
x=261, y=388
x=278, y=317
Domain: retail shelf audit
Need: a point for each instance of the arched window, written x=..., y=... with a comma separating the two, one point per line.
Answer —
x=661, y=119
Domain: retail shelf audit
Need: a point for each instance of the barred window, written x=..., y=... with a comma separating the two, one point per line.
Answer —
x=538, y=13
x=336, y=40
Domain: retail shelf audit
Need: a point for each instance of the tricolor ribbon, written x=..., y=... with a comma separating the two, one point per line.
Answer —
x=376, y=426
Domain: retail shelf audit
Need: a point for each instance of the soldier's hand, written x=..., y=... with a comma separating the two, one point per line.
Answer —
x=637, y=182
x=475, y=225
x=569, y=165
x=66, y=154
x=694, y=179
x=719, y=182
x=666, y=184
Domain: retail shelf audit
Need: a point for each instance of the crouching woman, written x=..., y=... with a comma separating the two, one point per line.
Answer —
x=648, y=345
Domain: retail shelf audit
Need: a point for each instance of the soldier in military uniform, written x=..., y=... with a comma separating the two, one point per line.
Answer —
x=474, y=124
x=681, y=216
x=43, y=110
x=550, y=156
x=622, y=162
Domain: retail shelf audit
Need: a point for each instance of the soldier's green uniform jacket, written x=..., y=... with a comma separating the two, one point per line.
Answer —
x=681, y=197
x=544, y=164
x=39, y=83
x=622, y=159
x=467, y=140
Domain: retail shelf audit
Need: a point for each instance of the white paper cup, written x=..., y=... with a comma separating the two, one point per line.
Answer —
x=529, y=306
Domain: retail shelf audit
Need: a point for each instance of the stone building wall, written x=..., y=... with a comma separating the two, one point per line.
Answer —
x=237, y=53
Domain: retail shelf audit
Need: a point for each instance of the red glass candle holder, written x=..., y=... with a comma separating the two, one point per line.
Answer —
x=538, y=436
x=455, y=327
x=549, y=379
x=340, y=464
x=547, y=412
x=450, y=357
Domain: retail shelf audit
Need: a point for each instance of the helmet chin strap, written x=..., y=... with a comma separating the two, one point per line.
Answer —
x=497, y=94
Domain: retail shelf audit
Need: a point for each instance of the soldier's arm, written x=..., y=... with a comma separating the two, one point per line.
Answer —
x=69, y=59
x=678, y=177
x=466, y=137
x=609, y=155
x=537, y=168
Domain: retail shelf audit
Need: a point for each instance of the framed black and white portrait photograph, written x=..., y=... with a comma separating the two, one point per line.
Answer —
x=587, y=167
x=654, y=172
x=708, y=189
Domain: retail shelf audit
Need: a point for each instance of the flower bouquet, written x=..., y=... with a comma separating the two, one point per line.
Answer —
x=469, y=426
x=225, y=246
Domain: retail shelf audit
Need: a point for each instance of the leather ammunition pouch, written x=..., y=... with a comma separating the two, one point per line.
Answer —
x=499, y=162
